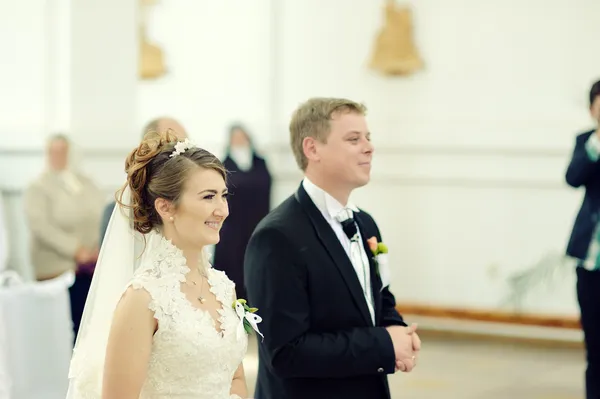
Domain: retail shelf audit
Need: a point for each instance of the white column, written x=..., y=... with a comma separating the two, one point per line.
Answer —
x=58, y=66
x=279, y=120
x=103, y=76
x=22, y=74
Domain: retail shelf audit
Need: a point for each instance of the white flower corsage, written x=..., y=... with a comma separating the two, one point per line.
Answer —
x=248, y=318
x=181, y=147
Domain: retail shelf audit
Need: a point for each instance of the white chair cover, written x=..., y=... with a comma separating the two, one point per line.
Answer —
x=36, y=337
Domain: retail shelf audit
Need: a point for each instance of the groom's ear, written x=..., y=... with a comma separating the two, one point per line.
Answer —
x=164, y=208
x=309, y=147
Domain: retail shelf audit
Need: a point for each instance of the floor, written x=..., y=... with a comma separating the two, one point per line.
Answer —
x=459, y=369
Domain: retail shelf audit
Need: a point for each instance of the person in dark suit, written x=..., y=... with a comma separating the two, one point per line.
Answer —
x=584, y=243
x=249, y=184
x=330, y=325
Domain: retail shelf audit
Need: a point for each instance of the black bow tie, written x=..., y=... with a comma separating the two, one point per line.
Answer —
x=350, y=229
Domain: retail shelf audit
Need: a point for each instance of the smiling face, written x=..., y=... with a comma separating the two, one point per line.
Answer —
x=197, y=218
x=344, y=158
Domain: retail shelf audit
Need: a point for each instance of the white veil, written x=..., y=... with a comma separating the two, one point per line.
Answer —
x=116, y=264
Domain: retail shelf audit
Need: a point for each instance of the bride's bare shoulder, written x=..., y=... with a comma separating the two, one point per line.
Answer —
x=129, y=344
x=133, y=311
x=134, y=301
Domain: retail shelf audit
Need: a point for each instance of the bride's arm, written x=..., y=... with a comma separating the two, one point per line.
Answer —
x=129, y=346
x=238, y=385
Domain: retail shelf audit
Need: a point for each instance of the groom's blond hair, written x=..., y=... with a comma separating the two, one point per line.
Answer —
x=311, y=119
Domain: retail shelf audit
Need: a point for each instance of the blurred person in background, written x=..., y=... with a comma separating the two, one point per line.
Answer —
x=249, y=183
x=63, y=210
x=155, y=126
x=584, y=243
x=162, y=124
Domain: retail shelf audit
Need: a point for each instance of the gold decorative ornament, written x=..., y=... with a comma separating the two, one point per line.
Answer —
x=395, y=53
x=151, y=63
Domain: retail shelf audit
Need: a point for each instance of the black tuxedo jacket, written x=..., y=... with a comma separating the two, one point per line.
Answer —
x=319, y=339
x=584, y=172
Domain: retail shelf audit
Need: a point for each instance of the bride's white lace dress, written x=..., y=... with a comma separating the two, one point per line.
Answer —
x=193, y=355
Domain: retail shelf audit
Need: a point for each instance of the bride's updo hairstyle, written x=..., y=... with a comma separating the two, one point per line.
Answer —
x=152, y=173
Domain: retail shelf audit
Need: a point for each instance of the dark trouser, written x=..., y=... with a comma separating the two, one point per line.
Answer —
x=78, y=294
x=588, y=295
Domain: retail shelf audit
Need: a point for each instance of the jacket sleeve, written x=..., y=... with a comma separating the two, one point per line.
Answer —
x=389, y=313
x=276, y=281
x=583, y=163
x=40, y=225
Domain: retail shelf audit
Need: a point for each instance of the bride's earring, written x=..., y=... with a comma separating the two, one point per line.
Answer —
x=171, y=218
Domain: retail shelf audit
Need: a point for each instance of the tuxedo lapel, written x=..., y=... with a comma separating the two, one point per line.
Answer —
x=375, y=279
x=336, y=251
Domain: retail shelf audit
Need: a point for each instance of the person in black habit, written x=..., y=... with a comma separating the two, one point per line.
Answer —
x=249, y=184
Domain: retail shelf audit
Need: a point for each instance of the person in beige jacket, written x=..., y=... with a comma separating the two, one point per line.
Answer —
x=63, y=210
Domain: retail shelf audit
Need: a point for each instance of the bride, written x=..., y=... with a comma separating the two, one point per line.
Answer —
x=159, y=321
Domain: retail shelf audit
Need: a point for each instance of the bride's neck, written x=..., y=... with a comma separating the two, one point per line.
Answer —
x=192, y=258
x=192, y=254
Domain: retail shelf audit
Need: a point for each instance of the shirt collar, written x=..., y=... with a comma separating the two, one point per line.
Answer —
x=328, y=205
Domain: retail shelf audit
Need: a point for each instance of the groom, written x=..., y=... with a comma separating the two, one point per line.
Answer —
x=330, y=325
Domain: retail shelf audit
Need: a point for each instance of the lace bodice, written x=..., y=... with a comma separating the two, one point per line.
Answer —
x=192, y=356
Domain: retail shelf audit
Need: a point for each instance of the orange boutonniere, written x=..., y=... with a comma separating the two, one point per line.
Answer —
x=378, y=249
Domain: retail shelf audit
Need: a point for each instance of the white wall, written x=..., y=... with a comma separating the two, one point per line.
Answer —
x=218, y=56
x=468, y=186
x=103, y=72
x=22, y=73
x=468, y=182
x=498, y=73
x=62, y=71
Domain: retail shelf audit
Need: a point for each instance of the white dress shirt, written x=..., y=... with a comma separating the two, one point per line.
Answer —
x=330, y=208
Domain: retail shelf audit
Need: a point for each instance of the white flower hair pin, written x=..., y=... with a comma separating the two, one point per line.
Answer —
x=181, y=147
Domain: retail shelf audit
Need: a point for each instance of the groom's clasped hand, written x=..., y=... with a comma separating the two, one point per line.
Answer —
x=407, y=345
